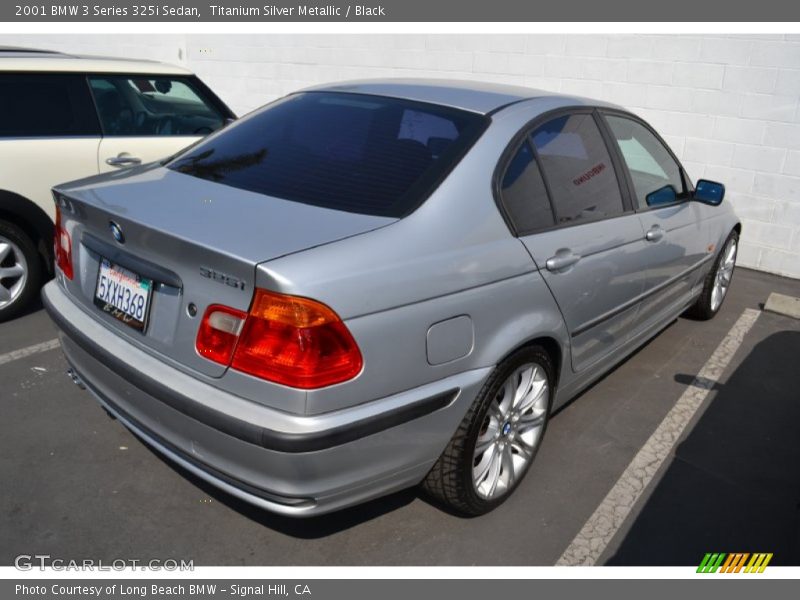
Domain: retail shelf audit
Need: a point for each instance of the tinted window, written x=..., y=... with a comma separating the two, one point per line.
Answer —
x=358, y=153
x=44, y=105
x=578, y=169
x=436, y=132
x=153, y=106
x=650, y=164
x=524, y=194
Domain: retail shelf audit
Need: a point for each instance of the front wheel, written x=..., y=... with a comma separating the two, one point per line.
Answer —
x=498, y=438
x=717, y=282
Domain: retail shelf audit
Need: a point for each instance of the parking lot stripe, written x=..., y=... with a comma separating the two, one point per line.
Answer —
x=607, y=519
x=23, y=352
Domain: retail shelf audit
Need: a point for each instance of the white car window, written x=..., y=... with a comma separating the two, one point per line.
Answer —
x=153, y=106
x=45, y=105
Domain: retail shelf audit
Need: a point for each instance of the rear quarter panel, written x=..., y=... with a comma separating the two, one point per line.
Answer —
x=504, y=315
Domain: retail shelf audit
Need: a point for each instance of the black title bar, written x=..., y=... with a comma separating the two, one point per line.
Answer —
x=255, y=11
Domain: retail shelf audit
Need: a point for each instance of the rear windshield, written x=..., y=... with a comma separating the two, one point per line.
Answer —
x=352, y=152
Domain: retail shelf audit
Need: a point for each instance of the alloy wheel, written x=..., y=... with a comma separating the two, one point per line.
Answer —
x=511, y=431
x=722, y=279
x=13, y=272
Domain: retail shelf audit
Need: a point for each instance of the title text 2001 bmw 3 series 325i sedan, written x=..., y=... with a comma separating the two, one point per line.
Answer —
x=366, y=286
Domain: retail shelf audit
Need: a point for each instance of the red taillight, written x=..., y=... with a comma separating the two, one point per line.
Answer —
x=219, y=332
x=63, y=247
x=286, y=339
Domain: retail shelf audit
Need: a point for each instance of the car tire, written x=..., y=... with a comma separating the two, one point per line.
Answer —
x=509, y=439
x=717, y=282
x=21, y=270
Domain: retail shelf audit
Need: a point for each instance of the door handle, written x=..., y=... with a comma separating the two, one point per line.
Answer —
x=655, y=234
x=562, y=260
x=123, y=160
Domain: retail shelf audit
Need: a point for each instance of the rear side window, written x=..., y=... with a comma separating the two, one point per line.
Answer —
x=45, y=105
x=523, y=193
x=351, y=152
x=145, y=105
x=578, y=169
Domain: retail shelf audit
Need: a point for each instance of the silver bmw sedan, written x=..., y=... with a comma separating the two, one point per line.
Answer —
x=367, y=286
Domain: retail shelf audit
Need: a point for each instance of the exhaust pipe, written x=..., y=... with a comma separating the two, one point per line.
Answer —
x=75, y=378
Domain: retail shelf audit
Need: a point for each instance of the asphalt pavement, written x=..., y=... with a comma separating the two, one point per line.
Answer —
x=76, y=484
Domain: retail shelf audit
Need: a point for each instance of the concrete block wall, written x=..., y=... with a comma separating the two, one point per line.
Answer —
x=728, y=105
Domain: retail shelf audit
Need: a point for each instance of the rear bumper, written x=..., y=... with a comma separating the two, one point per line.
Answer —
x=291, y=464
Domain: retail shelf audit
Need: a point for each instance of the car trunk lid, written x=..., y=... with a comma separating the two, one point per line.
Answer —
x=198, y=241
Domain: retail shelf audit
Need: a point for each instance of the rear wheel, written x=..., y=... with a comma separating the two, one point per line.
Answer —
x=717, y=282
x=498, y=438
x=20, y=270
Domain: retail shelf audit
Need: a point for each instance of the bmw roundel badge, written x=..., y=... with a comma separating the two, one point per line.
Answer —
x=116, y=231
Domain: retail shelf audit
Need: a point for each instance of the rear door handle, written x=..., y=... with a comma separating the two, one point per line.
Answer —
x=123, y=160
x=562, y=260
x=655, y=234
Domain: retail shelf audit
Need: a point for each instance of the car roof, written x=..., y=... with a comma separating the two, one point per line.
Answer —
x=474, y=96
x=34, y=59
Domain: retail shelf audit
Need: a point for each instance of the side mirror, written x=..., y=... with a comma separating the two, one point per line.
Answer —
x=709, y=192
x=662, y=196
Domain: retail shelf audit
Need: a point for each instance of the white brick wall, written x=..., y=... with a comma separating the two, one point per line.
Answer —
x=728, y=105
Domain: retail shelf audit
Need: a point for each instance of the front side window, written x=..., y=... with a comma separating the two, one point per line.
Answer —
x=656, y=175
x=352, y=152
x=523, y=193
x=45, y=105
x=578, y=169
x=153, y=106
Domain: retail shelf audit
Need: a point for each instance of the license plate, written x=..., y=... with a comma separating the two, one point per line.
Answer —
x=123, y=294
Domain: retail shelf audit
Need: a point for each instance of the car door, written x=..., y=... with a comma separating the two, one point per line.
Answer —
x=149, y=117
x=561, y=191
x=677, y=236
x=49, y=134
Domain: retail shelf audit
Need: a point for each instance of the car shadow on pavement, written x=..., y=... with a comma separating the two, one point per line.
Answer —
x=304, y=528
x=734, y=482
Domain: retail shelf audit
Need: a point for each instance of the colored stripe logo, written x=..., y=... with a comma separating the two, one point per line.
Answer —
x=736, y=562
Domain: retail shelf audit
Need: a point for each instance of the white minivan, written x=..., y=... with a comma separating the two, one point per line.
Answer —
x=64, y=117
